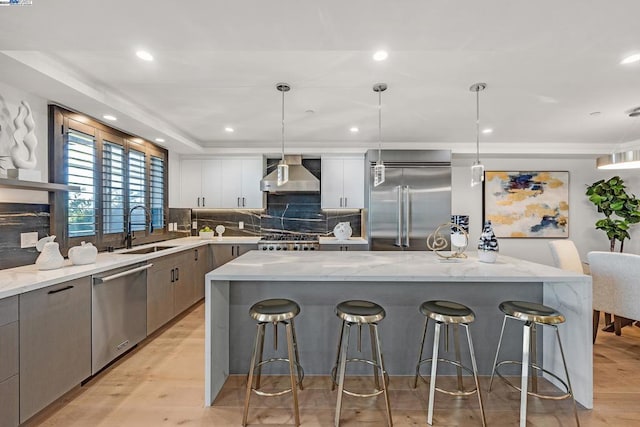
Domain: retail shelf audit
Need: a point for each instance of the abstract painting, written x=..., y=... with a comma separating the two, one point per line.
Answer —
x=527, y=204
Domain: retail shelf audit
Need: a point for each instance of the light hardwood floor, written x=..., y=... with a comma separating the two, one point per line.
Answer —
x=161, y=384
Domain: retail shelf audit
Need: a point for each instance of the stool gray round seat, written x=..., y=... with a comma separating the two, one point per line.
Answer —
x=359, y=313
x=275, y=312
x=532, y=314
x=455, y=314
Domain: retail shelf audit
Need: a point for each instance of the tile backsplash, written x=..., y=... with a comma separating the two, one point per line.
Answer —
x=16, y=218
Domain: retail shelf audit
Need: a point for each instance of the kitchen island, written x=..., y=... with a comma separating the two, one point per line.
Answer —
x=399, y=281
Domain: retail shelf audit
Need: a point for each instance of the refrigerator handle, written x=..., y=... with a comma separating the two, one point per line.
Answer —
x=399, y=218
x=406, y=216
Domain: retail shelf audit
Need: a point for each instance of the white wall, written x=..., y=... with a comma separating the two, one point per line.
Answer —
x=10, y=98
x=582, y=214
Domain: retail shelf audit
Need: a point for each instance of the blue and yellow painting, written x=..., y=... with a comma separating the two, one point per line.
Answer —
x=527, y=204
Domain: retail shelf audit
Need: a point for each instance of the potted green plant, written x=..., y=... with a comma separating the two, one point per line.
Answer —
x=619, y=208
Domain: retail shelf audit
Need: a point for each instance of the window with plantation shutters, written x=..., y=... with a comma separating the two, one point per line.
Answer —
x=156, y=190
x=137, y=189
x=80, y=159
x=116, y=172
x=113, y=188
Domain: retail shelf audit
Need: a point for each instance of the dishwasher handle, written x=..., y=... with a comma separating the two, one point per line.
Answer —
x=122, y=274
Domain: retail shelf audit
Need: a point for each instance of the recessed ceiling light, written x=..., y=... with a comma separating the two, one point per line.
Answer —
x=159, y=139
x=109, y=117
x=631, y=59
x=595, y=113
x=487, y=130
x=354, y=129
x=144, y=55
x=310, y=111
x=380, y=55
x=229, y=129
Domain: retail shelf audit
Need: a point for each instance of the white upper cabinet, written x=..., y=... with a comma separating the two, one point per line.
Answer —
x=200, y=183
x=222, y=183
x=342, y=182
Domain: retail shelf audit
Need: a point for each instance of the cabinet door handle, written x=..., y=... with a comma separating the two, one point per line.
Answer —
x=66, y=288
x=238, y=204
x=196, y=255
x=198, y=201
x=243, y=202
x=340, y=201
x=232, y=249
x=203, y=205
x=177, y=274
x=345, y=202
x=173, y=275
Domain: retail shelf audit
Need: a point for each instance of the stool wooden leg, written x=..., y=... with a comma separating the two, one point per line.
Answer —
x=495, y=361
x=385, y=391
x=295, y=347
x=566, y=372
x=475, y=373
x=434, y=370
x=424, y=335
x=341, y=366
x=374, y=357
x=336, y=366
x=526, y=338
x=292, y=374
x=259, y=336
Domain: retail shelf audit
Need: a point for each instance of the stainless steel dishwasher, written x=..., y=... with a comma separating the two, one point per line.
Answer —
x=119, y=313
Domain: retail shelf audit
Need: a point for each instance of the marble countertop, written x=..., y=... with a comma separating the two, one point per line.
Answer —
x=349, y=241
x=414, y=266
x=14, y=281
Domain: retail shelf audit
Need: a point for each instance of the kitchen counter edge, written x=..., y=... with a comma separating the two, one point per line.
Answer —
x=18, y=280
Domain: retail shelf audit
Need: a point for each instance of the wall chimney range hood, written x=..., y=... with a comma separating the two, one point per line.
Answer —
x=300, y=179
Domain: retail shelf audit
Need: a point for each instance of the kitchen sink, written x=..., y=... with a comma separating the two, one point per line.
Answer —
x=147, y=250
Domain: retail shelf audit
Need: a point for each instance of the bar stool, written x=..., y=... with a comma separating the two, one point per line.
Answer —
x=356, y=312
x=275, y=311
x=532, y=314
x=448, y=313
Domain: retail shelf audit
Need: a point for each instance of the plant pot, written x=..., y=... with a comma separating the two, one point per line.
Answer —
x=206, y=234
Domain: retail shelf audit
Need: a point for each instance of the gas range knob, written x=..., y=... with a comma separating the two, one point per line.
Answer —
x=278, y=248
x=264, y=248
x=312, y=248
x=285, y=248
x=270, y=248
x=305, y=248
x=295, y=248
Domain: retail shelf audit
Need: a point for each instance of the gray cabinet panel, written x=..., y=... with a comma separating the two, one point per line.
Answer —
x=8, y=310
x=55, y=343
x=223, y=253
x=9, y=402
x=183, y=286
x=9, y=350
x=160, y=279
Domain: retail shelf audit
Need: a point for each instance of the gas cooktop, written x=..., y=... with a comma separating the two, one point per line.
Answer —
x=289, y=242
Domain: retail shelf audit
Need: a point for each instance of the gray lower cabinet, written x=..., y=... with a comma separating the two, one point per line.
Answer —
x=175, y=283
x=55, y=343
x=223, y=253
x=9, y=356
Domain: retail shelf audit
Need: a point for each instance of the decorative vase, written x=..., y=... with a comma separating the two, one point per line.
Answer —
x=488, y=244
x=458, y=238
x=342, y=231
x=50, y=257
x=86, y=253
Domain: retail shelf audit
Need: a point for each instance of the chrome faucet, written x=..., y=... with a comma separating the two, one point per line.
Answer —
x=129, y=237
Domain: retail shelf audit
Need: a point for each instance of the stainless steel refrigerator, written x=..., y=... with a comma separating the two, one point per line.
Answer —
x=413, y=200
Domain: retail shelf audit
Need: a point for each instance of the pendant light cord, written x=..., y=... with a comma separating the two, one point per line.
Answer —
x=380, y=127
x=477, y=125
x=283, y=125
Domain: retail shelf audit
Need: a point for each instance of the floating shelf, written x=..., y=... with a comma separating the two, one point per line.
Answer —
x=39, y=186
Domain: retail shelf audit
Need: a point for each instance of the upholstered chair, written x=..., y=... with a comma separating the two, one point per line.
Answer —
x=566, y=256
x=615, y=286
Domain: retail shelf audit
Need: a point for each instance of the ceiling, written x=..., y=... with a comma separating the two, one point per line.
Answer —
x=547, y=65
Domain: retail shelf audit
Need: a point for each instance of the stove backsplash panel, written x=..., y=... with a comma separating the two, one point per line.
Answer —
x=16, y=218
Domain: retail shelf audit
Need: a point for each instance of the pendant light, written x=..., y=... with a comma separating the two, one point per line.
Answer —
x=379, y=169
x=283, y=168
x=477, y=169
